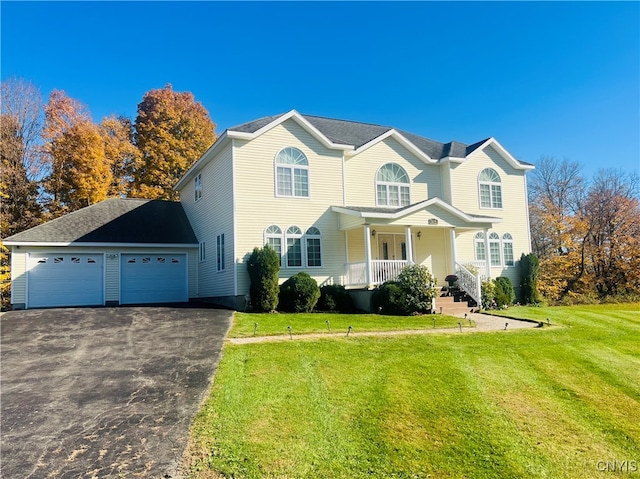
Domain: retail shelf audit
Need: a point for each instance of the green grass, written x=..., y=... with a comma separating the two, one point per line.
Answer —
x=538, y=403
x=271, y=324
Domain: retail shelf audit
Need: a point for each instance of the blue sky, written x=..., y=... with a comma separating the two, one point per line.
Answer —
x=544, y=78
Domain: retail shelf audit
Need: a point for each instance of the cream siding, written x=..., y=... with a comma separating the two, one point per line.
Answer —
x=210, y=216
x=18, y=276
x=257, y=206
x=111, y=272
x=361, y=173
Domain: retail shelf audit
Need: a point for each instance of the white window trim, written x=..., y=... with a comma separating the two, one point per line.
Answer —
x=220, y=253
x=280, y=236
x=202, y=251
x=306, y=248
x=491, y=185
x=506, y=241
x=197, y=187
x=477, y=241
x=291, y=169
x=495, y=241
x=386, y=184
x=300, y=236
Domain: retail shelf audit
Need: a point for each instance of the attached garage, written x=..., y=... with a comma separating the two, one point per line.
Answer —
x=65, y=279
x=153, y=278
x=118, y=251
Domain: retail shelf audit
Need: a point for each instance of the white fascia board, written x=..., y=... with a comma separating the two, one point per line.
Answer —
x=451, y=159
x=417, y=207
x=100, y=245
x=197, y=166
x=302, y=121
x=504, y=153
x=398, y=137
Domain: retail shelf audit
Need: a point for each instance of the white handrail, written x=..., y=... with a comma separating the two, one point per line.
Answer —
x=470, y=283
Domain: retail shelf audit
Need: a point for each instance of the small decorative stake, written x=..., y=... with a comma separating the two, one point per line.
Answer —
x=434, y=322
x=328, y=325
x=469, y=322
x=255, y=327
x=290, y=332
x=460, y=326
x=548, y=322
x=505, y=326
x=465, y=315
x=440, y=309
x=348, y=331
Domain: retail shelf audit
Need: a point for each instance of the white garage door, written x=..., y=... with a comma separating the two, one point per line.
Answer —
x=65, y=279
x=158, y=278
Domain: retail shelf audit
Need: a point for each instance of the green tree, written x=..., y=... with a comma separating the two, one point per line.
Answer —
x=529, y=266
x=263, y=267
x=172, y=131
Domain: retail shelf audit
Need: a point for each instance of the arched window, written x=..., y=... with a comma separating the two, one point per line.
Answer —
x=490, y=188
x=294, y=247
x=314, y=254
x=481, y=254
x=292, y=173
x=392, y=186
x=273, y=237
x=494, y=249
x=507, y=249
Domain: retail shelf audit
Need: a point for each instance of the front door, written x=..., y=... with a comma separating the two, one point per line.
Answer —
x=392, y=247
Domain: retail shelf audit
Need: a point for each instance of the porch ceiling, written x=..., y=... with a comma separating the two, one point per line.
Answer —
x=429, y=213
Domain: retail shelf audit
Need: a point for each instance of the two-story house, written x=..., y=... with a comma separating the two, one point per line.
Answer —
x=349, y=203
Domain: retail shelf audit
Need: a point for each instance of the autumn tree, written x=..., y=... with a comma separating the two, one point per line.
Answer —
x=20, y=164
x=80, y=173
x=120, y=152
x=172, y=131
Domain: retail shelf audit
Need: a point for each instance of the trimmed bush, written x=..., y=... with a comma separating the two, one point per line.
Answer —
x=505, y=295
x=263, y=267
x=334, y=297
x=529, y=266
x=419, y=288
x=299, y=294
x=390, y=298
x=488, y=293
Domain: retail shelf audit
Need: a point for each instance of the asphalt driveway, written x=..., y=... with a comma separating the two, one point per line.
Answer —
x=103, y=392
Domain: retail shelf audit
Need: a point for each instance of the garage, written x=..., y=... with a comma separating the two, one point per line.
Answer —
x=65, y=279
x=153, y=278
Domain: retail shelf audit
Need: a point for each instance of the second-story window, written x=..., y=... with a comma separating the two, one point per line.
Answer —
x=490, y=189
x=197, y=186
x=292, y=173
x=392, y=186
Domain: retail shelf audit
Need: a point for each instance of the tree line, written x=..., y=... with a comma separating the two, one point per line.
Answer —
x=585, y=232
x=55, y=159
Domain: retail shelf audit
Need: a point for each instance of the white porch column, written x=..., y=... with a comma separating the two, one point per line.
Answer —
x=367, y=253
x=409, y=242
x=487, y=253
x=454, y=255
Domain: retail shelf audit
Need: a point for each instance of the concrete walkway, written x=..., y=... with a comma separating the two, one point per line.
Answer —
x=484, y=323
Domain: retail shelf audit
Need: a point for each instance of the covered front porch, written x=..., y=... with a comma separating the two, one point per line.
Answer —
x=380, y=242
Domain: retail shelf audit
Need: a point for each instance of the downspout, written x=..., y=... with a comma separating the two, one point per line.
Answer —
x=233, y=207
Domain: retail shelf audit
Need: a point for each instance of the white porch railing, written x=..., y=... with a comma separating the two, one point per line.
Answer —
x=481, y=266
x=381, y=271
x=470, y=282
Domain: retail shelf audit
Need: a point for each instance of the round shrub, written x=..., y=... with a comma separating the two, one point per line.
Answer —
x=390, y=298
x=334, y=297
x=488, y=293
x=299, y=294
x=419, y=288
x=505, y=295
x=263, y=267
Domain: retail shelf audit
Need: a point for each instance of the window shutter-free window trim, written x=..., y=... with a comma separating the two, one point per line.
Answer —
x=203, y=251
x=197, y=186
x=313, y=250
x=291, y=173
x=293, y=241
x=489, y=189
x=274, y=238
x=220, y=253
x=494, y=249
x=393, y=187
x=481, y=254
x=507, y=249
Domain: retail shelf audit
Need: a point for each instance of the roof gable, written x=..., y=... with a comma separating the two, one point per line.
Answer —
x=115, y=220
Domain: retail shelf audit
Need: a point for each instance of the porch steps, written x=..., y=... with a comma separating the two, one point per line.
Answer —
x=455, y=305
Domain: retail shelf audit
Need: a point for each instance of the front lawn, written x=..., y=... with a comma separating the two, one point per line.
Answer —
x=559, y=402
x=271, y=324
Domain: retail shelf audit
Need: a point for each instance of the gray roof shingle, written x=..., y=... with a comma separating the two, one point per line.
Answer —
x=116, y=220
x=355, y=133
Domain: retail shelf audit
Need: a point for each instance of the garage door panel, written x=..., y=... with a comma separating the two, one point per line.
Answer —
x=159, y=278
x=65, y=279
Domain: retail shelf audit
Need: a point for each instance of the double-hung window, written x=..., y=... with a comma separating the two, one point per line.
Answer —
x=494, y=249
x=507, y=249
x=392, y=186
x=314, y=256
x=294, y=247
x=490, y=189
x=481, y=253
x=273, y=238
x=292, y=173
